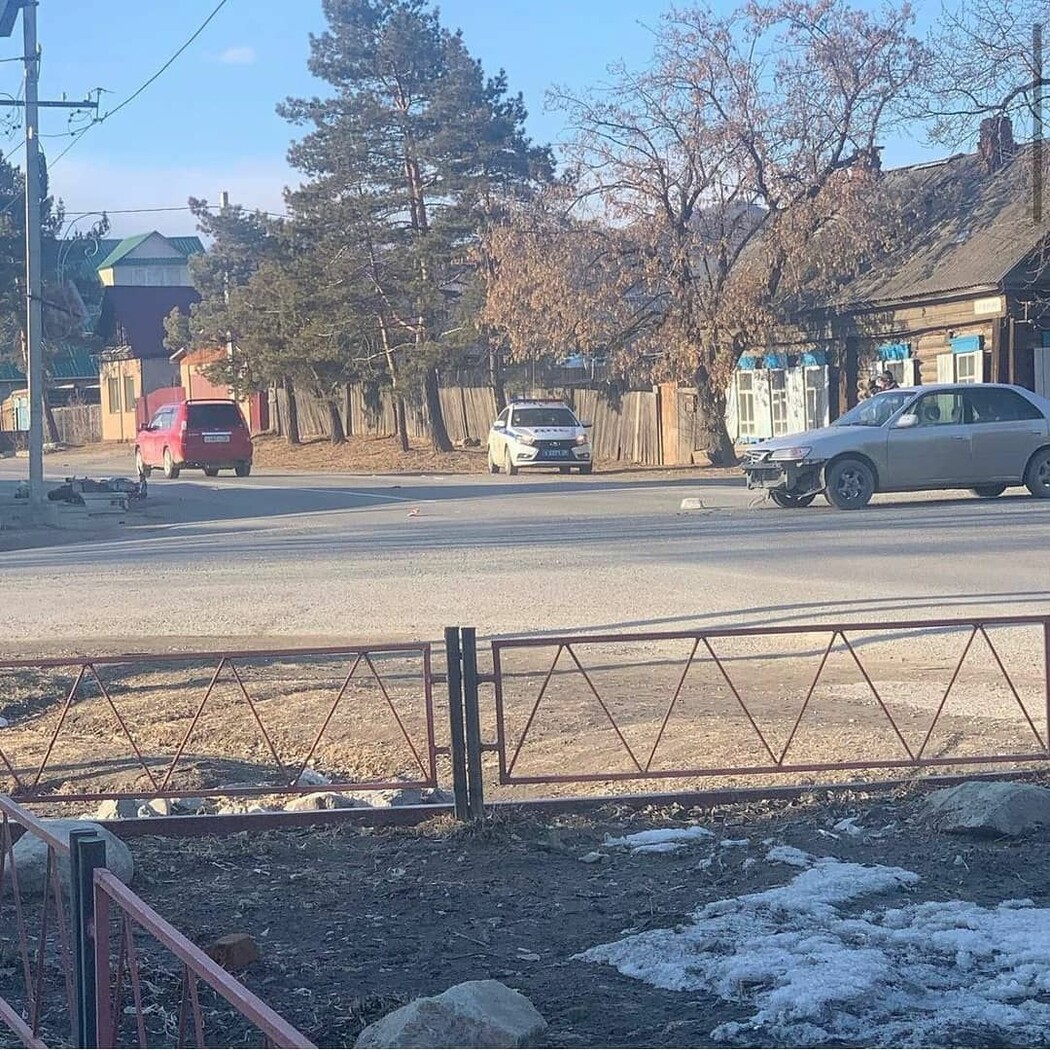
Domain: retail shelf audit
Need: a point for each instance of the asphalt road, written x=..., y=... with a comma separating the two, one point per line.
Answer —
x=374, y=558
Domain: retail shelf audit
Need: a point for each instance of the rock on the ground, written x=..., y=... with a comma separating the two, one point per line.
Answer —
x=30, y=855
x=3, y=722
x=989, y=808
x=476, y=1013
x=234, y=951
x=320, y=800
x=189, y=805
x=118, y=809
x=311, y=778
x=156, y=807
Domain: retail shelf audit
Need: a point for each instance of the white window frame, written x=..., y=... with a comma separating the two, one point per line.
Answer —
x=778, y=402
x=815, y=385
x=973, y=362
x=745, y=404
x=905, y=370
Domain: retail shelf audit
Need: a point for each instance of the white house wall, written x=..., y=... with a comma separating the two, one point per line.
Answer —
x=816, y=377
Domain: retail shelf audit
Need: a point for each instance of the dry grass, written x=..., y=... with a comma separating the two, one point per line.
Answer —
x=360, y=455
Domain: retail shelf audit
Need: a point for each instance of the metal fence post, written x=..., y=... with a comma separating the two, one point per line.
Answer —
x=454, y=664
x=1046, y=674
x=87, y=852
x=475, y=789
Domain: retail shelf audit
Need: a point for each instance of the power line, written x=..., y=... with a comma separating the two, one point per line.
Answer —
x=178, y=207
x=138, y=91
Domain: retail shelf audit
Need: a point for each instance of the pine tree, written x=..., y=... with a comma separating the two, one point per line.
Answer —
x=404, y=163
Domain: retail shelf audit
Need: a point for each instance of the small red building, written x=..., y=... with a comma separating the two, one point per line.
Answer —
x=196, y=384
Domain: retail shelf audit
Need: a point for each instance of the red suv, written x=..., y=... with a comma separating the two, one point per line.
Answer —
x=211, y=435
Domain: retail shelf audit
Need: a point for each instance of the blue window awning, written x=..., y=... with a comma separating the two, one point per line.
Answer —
x=776, y=361
x=814, y=357
x=747, y=363
x=967, y=344
x=894, y=351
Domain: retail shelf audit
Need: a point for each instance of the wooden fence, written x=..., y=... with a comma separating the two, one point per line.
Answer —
x=78, y=424
x=627, y=427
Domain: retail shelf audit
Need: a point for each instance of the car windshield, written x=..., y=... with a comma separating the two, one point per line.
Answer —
x=544, y=417
x=220, y=415
x=877, y=410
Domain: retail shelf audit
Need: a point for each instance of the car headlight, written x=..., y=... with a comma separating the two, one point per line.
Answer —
x=526, y=439
x=790, y=454
x=582, y=439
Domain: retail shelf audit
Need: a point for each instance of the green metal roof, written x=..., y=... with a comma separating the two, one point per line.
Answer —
x=185, y=245
x=67, y=363
x=129, y=244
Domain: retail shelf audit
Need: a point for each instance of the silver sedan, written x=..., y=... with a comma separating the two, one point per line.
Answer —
x=981, y=436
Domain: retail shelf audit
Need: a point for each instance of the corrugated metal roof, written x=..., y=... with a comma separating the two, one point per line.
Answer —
x=129, y=244
x=66, y=364
x=185, y=245
x=972, y=230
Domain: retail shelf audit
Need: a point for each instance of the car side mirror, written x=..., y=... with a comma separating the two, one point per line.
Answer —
x=499, y=425
x=586, y=426
x=909, y=419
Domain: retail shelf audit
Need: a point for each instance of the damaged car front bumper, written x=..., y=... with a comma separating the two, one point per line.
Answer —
x=800, y=476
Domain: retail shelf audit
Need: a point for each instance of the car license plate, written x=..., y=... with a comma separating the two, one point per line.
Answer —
x=216, y=439
x=558, y=453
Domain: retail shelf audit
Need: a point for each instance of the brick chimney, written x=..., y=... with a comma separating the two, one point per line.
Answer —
x=995, y=144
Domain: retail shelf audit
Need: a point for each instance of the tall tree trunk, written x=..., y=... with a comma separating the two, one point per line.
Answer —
x=496, y=376
x=439, y=438
x=49, y=417
x=335, y=423
x=400, y=422
x=291, y=430
x=711, y=410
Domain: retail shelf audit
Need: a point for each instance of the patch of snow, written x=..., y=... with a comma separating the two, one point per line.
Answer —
x=814, y=966
x=734, y=844
x=657, y=835
x=849, y=826
x=797, y=858
x=657, y=847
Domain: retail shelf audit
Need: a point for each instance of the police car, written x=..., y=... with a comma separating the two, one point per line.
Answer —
x=539, y=434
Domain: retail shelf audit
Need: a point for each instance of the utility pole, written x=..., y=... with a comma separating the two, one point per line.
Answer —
x=34, y=313
x=34, y=289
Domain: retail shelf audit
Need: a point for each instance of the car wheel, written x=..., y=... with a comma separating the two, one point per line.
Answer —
x=988, y=491
x=564, y=470
x=587, y=468
x=1037, y=477
x=493, y=465
x=850, y=484
x=211, y=472
x=243, y=469
x=508, y=463
x=140, y=465
x=171, y=468
x=790, y=499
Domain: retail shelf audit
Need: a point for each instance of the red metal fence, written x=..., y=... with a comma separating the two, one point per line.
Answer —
x=113, y=900
x=35, y=949
x=623, y=706
x=759, y=703
x=165, y=725
x=62, y=983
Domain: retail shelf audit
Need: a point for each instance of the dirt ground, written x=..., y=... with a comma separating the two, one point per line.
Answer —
x=359, y=455
x=352, y=923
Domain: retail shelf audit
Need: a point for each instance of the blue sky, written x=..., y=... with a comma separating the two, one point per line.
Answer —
x=209, y=123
